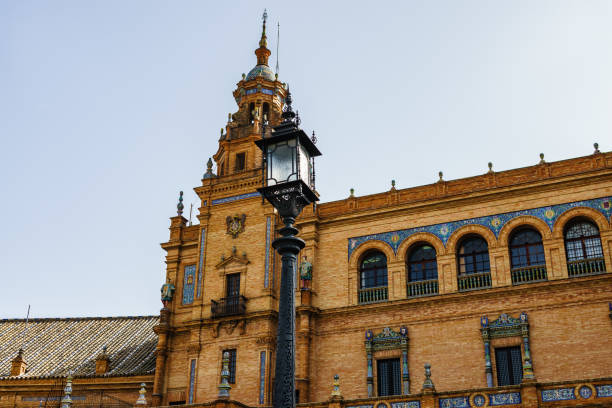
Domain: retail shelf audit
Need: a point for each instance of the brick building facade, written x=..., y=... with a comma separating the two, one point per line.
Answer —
x=499, y=283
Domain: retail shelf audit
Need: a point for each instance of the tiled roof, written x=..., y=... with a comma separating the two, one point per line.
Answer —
x=53, y=347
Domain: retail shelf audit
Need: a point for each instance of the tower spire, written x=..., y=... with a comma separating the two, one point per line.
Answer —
x=263, y=52
x=264, y=40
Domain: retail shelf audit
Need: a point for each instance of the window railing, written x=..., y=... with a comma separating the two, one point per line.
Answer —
x=229, y=306
x=586, y=267
x=474, y=281
x=373, y=295
x=422, y=288
x=529, y=274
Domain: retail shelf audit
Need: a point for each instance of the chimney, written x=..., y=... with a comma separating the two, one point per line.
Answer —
x=18, y=366
x=102, y=362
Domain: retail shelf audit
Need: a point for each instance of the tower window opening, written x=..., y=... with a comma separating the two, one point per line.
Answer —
x=266, y=111
x=251, y=112
x=240, y=161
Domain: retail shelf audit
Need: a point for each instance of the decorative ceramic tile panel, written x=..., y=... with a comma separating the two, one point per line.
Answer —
x=235, y=198
x=585, y=392
x=267, y=261
x=189, y=284
x=604, y=390
x=47, y=398
x=493, y=222
x=457, y=402
x=251, y=91
x=559, y=394
x=479, y=400
x=360, y=406
x=267, y=91
x=406, y=404
x=509, y=398
x=201, y=264
x=262, y=377
x=192, y=373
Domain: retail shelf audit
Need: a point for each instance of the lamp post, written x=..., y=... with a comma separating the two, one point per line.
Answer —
x=288, y=185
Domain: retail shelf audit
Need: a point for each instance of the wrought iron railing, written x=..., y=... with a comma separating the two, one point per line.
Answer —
x=529, y=274
x=586, y=267
x=228, y=306
x=474, y=281
x=373, y=295
x=422, y=288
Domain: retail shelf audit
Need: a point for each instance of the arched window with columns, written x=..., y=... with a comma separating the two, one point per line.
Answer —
x=373, y=277
x=422, y=270
x=583, y=248
x=527, y=260
x=474, y=271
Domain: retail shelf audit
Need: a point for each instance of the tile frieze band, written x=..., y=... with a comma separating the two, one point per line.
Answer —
x=495, y=223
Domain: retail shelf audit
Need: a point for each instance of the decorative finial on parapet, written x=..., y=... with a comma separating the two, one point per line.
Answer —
x=142, y=400
x=441, y=175
x=392, y=184
x=596, y=146
x=352, y=192
x=209, y=173
x=67, y=400
x=336, y=389
x=490, y=164
x=224, y=387
x=542, y=161
x=428, y=385
x=180, y=206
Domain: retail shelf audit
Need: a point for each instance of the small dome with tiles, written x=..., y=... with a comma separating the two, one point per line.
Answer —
x=261, y=70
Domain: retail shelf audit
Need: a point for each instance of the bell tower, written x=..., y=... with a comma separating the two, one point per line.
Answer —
x=260, y=97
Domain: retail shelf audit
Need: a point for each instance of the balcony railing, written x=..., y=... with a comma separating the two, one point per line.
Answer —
x=586, y=267
x=228, y=306
x=373, y=295
x=529, y=274
x=422, y=288
x=474, y=281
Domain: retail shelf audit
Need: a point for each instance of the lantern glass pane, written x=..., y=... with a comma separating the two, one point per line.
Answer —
x=281, y=162
x=304, y=166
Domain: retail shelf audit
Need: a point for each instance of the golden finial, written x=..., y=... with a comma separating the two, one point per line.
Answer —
x=264, y=40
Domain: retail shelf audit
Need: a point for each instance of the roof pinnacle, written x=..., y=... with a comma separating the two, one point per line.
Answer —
x=263, y=52
x=264, y=40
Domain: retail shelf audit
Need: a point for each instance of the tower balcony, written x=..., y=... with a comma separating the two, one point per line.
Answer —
x=228, y=306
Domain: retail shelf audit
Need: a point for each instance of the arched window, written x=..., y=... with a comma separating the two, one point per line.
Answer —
x=373, y=277
x=422, y=271
x=251, y=112
x=473, y=263
x=583, y=248
x=527, y=256
x=266, y=111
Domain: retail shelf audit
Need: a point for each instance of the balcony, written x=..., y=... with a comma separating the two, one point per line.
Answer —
x=474, y=281
x=229, y=306
x=529, y=274
x=586, y=267
x=422, y=288
x=373, y=295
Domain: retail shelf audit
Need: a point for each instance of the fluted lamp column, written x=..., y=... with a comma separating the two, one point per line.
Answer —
x=288, y=185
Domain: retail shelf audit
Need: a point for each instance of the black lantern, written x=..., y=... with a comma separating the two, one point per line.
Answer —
x=288, y=185
x=288, y=159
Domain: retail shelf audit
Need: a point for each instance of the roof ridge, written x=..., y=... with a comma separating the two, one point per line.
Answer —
x=49, y=319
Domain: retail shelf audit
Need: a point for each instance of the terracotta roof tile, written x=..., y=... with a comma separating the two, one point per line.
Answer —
x=52, y=347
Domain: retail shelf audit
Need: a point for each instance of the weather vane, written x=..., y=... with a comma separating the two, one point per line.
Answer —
x=265, y=16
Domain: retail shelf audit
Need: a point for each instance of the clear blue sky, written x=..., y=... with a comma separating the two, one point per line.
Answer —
x=109, y=108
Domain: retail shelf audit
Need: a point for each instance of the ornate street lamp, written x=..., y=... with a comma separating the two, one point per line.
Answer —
x=288, y=182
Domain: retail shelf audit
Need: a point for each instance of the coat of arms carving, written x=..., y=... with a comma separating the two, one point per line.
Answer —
x=235, y=224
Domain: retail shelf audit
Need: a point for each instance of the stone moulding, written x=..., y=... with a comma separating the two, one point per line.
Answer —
x=495, y=223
